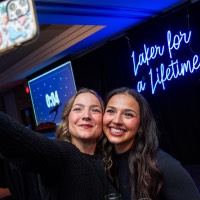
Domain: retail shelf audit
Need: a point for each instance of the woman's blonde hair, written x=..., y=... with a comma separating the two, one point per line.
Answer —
x=62, y=130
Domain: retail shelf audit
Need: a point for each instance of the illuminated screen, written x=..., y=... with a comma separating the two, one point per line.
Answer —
x=50, y=92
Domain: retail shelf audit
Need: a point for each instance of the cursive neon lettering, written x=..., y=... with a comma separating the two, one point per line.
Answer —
x=141, y=86
x=174, y=68
x=172, y=72
x=195, y=62
x=176, y=41
x=149, y=54
x=159, y=75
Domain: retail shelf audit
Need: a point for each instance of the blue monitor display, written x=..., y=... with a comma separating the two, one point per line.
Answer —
x=50, y=92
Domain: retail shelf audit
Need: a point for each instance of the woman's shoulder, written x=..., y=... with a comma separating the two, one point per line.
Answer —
x=165, y=160
x=178, y=184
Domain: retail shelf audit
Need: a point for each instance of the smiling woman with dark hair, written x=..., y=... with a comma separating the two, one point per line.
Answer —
x=143, y=170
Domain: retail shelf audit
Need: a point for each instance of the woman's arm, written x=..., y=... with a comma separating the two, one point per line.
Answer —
x=27, y=148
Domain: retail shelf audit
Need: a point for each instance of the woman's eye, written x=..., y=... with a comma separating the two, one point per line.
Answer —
x=96, y=110
x=129, y=114
x=76, y=109
x=110, y=111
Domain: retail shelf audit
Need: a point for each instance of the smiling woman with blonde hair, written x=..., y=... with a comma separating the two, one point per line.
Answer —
x=68, y=166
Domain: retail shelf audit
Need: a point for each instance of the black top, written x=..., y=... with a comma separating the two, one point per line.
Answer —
x=64, y=172
x=178, y=184
x=22, y=184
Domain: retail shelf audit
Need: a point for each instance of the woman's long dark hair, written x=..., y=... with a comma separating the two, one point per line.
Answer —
x=146, y=178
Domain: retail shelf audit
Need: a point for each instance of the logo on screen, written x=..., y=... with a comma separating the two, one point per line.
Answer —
x=52, y=99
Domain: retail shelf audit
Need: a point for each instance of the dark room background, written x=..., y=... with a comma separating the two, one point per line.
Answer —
x=161, y=58
x=174, y=81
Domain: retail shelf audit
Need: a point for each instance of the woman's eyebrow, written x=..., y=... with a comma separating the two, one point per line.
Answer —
x=77, y=104
x=130, y=110
x=126, y=109
x=111, y=107
x=82, y=105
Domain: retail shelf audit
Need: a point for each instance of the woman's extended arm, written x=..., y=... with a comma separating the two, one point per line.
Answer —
x=27, y=148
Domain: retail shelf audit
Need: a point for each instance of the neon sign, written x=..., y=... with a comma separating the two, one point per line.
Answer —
x=175, y=68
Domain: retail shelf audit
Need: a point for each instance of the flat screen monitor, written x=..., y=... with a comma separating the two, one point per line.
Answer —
x=50, y=92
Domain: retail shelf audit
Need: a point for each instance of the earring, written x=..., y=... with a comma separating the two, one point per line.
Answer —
x=139, y=133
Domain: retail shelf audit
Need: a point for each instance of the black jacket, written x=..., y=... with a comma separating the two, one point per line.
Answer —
x=64, y=172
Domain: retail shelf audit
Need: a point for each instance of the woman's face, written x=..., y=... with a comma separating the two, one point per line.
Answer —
x=121, y=121
x=85, y=119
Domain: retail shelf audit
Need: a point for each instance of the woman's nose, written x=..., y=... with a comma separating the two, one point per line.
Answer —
x=117, y=119
x=86, y=115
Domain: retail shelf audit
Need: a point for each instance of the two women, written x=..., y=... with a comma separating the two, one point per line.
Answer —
x=143, y=170
x=68, y=167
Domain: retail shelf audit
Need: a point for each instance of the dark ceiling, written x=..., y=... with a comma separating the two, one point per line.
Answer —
x=71, y=27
